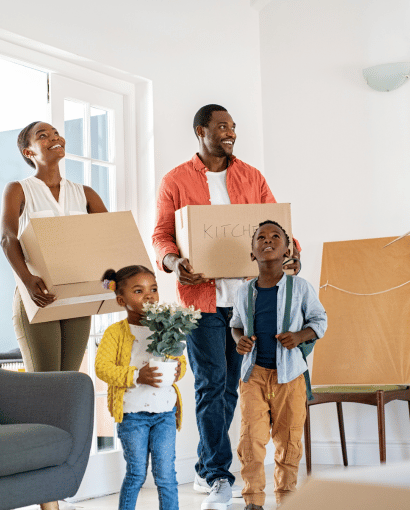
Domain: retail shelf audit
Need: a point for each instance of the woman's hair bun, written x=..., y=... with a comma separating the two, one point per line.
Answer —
x=110, y=274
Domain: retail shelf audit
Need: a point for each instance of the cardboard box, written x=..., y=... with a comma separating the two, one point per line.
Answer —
x=217, y=238
x=71, y=253
x=364, y=488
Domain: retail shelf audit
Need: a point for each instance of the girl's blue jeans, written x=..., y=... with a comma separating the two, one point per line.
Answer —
x=141, y=434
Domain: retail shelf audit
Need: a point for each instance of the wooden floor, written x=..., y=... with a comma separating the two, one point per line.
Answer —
x=188, y=498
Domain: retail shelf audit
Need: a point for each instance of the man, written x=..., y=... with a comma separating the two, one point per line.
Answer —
x=213, y=176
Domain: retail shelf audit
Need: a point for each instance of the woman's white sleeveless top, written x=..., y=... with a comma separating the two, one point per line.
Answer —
x=40, y=203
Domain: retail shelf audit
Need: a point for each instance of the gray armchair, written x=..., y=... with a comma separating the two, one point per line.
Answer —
x=46, y=425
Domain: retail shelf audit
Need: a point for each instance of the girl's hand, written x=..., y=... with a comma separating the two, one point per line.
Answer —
x=38, y=291
x=245, y=344
x=177, y=371
x=148, y=375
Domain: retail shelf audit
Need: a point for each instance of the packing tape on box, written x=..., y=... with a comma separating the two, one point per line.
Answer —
x=82, y=299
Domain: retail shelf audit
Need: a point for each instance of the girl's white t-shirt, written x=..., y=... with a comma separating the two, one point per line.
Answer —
x=142, y=397
x=225, y=287
x=39, y=202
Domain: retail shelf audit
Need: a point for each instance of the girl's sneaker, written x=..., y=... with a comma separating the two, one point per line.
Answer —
x=201, y=485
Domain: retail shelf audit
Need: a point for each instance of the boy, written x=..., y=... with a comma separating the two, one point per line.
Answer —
x=272, y=386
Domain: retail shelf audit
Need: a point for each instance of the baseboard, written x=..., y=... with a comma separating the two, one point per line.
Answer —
x=359, y=453
x=185, y=469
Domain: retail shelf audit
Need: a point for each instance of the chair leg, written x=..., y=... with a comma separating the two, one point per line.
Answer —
x=342, y=432
x=308, y=446
x=381, y=423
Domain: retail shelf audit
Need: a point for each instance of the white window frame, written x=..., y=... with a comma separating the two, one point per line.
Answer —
x=62, y=88
x=138, y=113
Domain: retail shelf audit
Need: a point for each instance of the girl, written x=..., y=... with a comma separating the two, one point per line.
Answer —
x=145, y=413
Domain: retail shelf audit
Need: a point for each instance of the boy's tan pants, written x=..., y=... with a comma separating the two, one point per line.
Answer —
x=277, y=409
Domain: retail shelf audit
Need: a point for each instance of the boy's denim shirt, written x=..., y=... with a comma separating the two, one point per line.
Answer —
x=306, y=312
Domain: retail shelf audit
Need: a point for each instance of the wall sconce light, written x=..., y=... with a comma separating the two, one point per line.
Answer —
x=387, y=77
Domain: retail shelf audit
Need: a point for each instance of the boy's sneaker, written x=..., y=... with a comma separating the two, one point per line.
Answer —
x=251, y=506
x=220, y=497
x=201, y=485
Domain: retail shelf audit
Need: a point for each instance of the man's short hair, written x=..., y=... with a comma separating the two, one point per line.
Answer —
x=204, y=114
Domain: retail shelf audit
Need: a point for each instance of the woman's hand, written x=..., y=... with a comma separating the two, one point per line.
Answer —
x=38, y=291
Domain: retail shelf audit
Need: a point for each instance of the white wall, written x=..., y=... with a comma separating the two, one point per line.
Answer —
x=194, y=53
x=339, y=152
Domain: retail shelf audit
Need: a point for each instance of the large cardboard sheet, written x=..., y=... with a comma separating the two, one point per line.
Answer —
x=368, y=337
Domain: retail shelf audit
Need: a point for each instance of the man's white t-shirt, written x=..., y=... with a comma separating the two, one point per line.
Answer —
x=225, y=287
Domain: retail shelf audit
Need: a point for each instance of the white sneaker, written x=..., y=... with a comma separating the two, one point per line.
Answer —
x=201, y=485
x=65, y=505
x=220, y=497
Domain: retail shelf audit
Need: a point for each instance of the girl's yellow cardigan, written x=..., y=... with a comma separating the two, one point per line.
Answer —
x=112, y=365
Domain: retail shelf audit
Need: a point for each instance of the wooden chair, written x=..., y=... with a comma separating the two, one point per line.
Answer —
x=371, y=395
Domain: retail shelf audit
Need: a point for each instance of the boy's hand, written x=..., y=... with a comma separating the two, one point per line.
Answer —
x=245, y=344
x=289, y=339
x=177, y=371
x=148, y=375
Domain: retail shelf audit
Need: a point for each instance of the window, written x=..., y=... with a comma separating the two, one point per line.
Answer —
x=23, y=99
x=92, y=120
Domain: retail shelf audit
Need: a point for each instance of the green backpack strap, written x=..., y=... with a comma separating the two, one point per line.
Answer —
x=304, y=348
x=250, y=308
x=288, y=304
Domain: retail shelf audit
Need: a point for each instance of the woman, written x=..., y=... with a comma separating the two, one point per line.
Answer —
x=55, y=345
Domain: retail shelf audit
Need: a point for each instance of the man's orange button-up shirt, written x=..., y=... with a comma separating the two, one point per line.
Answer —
x=187, y=185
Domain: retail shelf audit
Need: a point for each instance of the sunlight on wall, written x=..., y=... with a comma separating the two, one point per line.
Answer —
x=23, y=99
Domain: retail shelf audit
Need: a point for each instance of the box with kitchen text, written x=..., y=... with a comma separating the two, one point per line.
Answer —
x=217, y=238
x=71, y=253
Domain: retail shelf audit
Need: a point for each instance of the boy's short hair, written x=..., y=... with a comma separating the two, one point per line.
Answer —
x=271, y=222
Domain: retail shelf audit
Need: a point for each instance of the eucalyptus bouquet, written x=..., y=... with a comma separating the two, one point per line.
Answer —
x=170, y=325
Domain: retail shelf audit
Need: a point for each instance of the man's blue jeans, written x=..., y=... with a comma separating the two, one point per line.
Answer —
x=142, y=434
x=216, y=366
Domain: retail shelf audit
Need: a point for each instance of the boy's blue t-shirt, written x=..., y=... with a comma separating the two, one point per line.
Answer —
x=265, y=326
